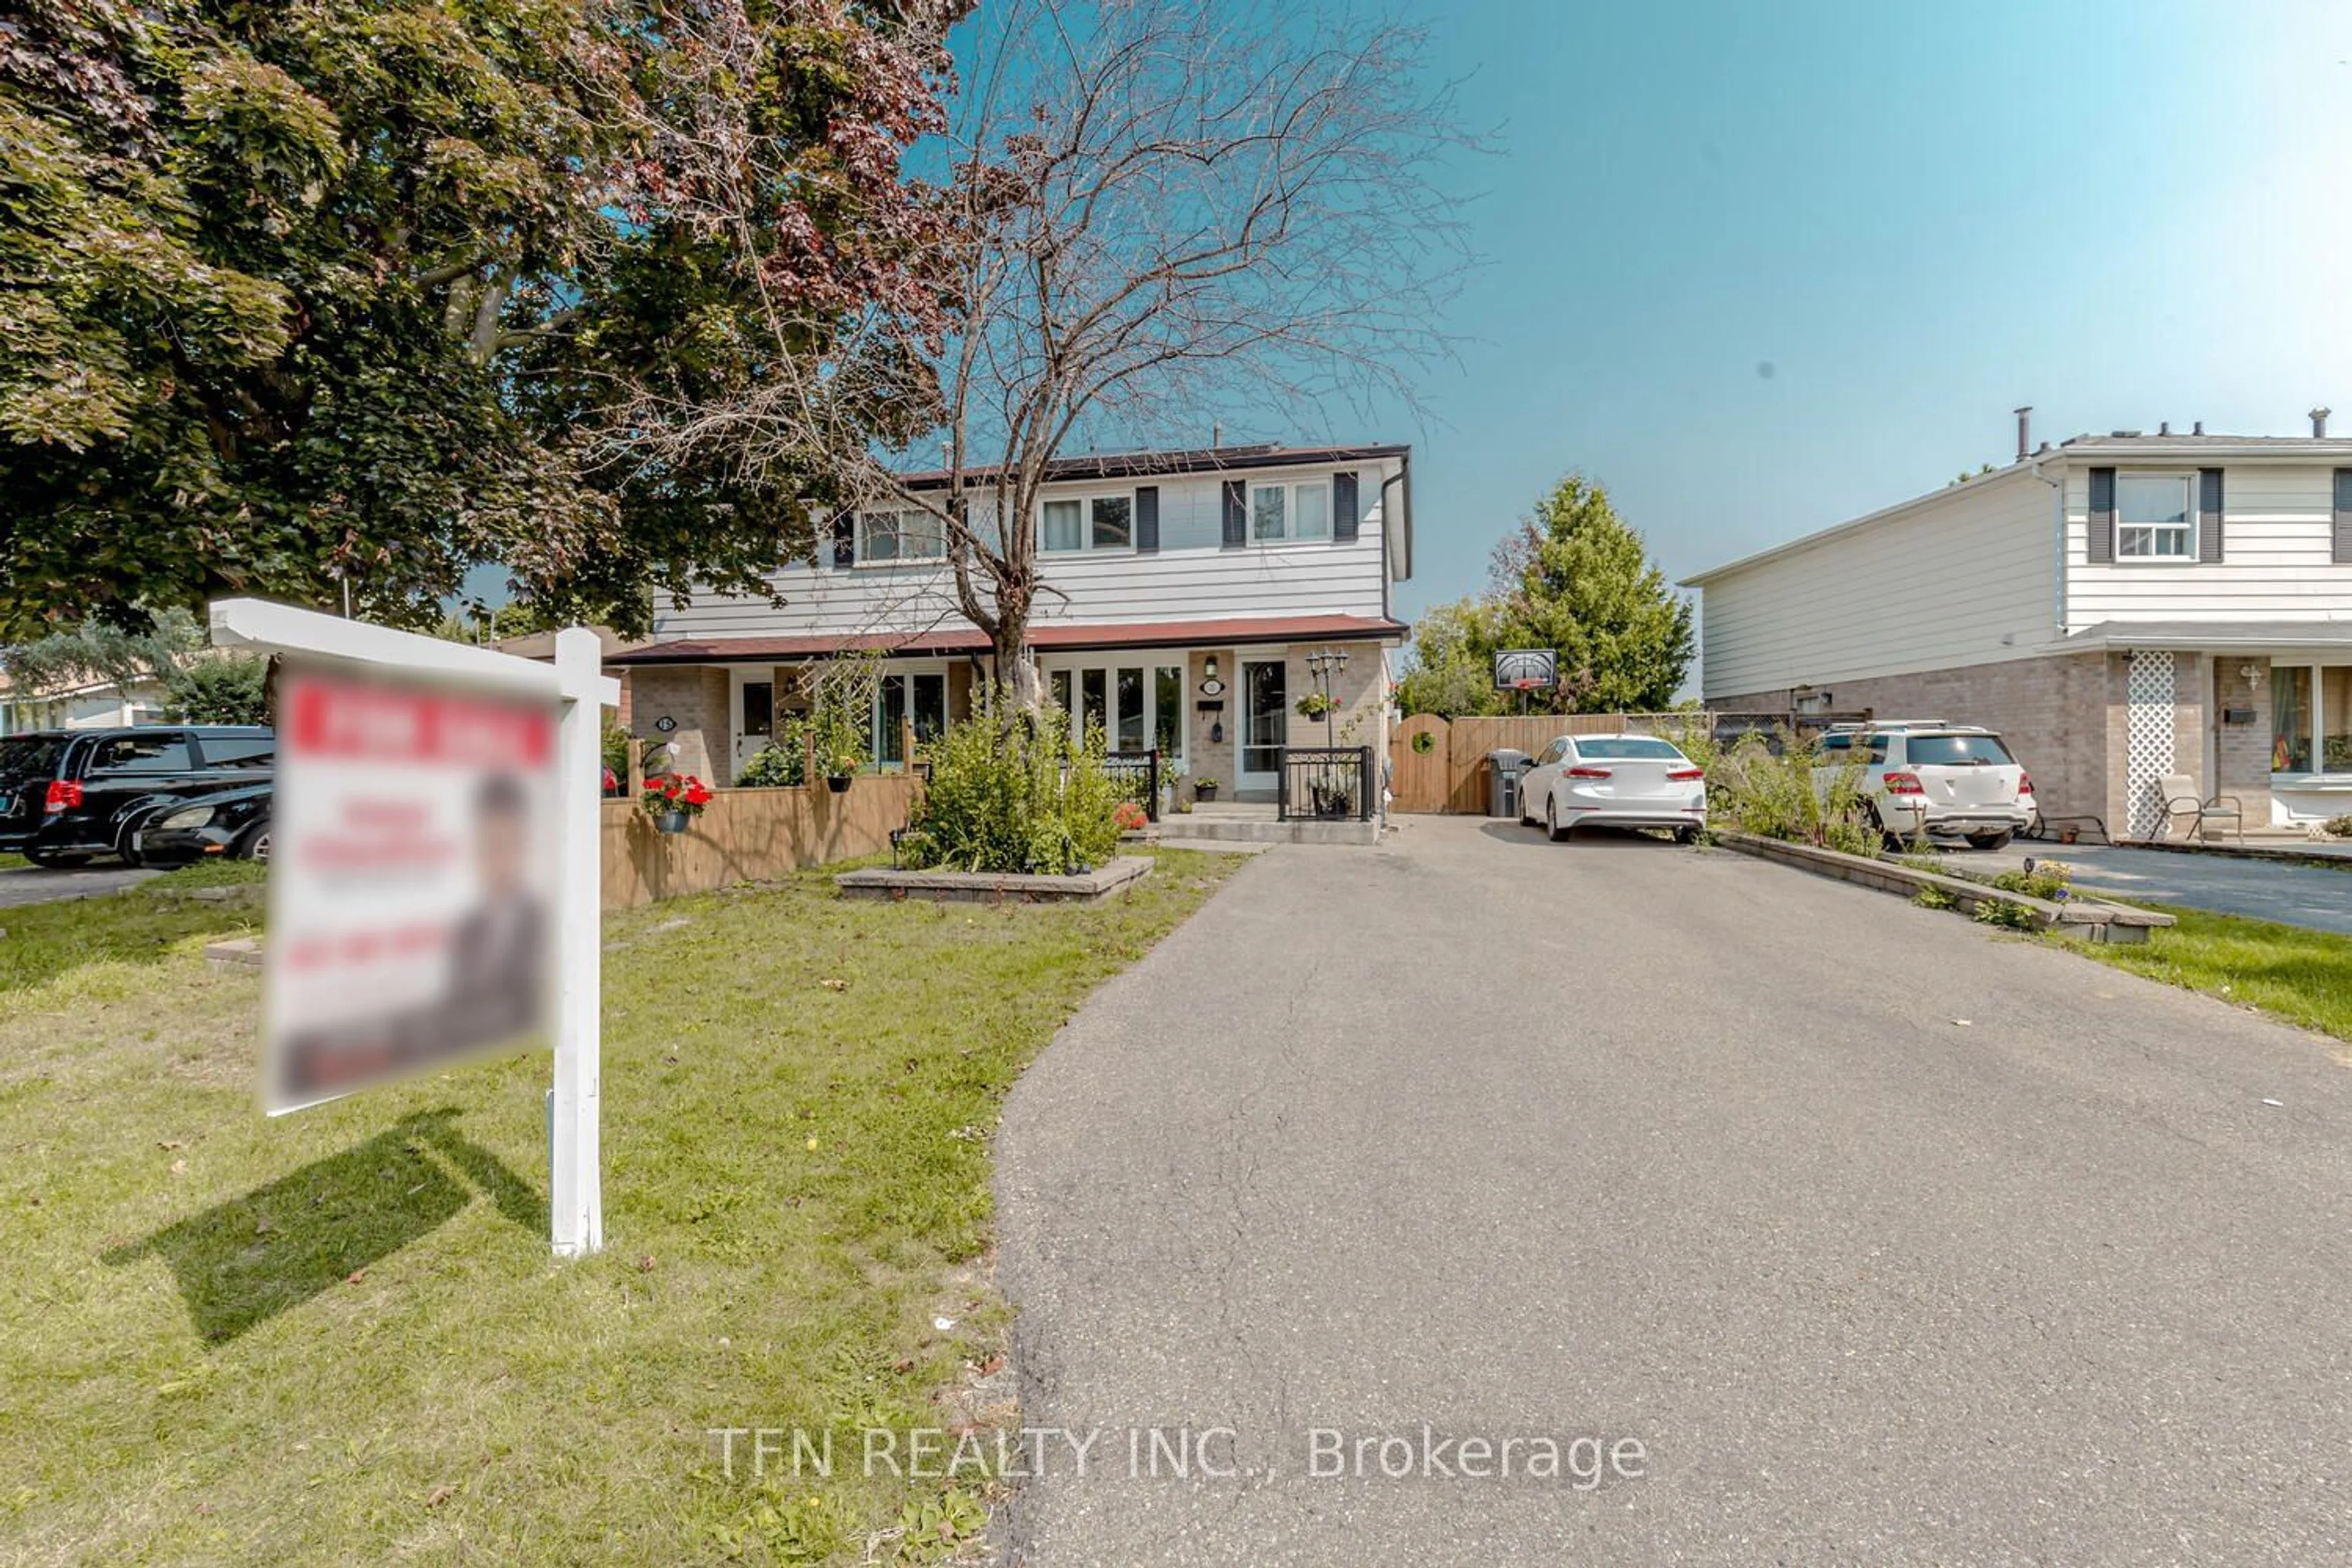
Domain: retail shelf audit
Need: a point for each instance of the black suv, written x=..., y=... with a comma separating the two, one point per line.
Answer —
x=68, y=794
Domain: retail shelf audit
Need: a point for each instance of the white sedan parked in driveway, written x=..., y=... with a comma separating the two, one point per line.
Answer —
x=1621, y=781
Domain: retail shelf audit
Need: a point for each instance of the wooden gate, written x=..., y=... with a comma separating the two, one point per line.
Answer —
x=1418, y=765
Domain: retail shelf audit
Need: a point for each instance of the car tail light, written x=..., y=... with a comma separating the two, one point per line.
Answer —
x=64, y=795
x=1588, y=773
x=2024, y=783
x=1904, y=784
x=1685, y=775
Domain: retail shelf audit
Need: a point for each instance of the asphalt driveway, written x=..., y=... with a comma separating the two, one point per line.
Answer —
x=32, y=885
x=1889, y=1239
x=2319, y=897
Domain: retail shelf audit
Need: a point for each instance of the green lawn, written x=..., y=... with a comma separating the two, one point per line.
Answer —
x=2302, y=976
x=338, y=1336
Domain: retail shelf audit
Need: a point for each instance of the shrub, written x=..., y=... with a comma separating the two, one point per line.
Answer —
x=2337, y=828
x=2009, y=916
x=1767, y=786
x=2048, y=879
x=782, y=761
x=1933, y=898
x=1009, y=792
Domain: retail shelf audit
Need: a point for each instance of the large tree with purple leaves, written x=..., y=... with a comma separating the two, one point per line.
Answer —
x=297, y=297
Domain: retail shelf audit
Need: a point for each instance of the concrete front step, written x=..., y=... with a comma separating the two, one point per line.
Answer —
x=1234, y=827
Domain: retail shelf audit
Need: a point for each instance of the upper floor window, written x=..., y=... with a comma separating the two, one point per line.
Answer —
x=1289, y=512
x=1103, y=522
x=2156, y=517
x=888, y=536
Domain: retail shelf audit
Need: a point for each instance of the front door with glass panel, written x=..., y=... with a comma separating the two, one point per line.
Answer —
x=755, y=714
x=1266, y=723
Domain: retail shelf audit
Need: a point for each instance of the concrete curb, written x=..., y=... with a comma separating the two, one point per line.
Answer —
x=2085, y=918
x=992, y=887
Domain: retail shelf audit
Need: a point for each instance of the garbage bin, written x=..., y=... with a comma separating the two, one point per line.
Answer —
x=1504, y=767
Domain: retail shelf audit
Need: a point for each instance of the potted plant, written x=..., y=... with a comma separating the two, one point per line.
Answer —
x=1316, y=705
x=674, y=800
x=1204, y=787
x=1331, y=796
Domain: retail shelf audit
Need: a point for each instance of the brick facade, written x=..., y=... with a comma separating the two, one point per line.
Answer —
x=698, y=698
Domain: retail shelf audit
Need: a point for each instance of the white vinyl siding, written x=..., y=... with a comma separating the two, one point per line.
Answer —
x=1939, y=584
x=1190, y=577
x=2276, y=557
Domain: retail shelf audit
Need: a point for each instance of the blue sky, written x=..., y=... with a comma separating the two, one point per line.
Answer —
x=1918, y=216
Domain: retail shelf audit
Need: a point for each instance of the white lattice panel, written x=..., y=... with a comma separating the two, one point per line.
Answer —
x=2147, y=743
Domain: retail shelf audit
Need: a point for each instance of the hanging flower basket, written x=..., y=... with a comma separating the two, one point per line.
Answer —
x=674, y=800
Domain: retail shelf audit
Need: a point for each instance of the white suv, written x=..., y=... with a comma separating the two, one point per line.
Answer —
x=1925, y=776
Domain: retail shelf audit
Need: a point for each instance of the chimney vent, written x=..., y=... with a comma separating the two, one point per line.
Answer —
x=2198, y=429
x=2163, y=427
x=2319, y=422
x=1216, y=436
x=2025, y=432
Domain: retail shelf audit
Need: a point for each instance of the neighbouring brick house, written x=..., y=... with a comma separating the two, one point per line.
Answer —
x=2121, y=607
x=1184, y=593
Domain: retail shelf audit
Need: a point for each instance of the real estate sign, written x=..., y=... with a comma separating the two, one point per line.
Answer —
x=413, y=889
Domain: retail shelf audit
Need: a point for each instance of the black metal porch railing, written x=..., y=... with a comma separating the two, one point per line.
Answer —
x=1137, y=774
x=1326, y=784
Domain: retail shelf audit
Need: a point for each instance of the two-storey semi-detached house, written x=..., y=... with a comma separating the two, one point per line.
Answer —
x=1183, y=595
x=2122, y=607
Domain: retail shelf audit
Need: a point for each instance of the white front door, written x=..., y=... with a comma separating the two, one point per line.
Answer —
x=754, y=715
x=1266, y=723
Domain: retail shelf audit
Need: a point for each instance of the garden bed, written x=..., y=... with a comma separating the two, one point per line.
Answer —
x=2085, y=919
x=993, y=886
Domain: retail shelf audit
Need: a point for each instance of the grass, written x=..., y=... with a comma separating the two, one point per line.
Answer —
x=339, y=1336
x=2290, y=972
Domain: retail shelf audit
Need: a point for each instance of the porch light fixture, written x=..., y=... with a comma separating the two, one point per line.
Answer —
x=1209, y=668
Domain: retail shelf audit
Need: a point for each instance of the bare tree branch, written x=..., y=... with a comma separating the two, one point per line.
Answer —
x=1159, y=214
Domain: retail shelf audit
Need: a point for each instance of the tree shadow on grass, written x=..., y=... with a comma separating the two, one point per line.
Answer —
x=245, y=1261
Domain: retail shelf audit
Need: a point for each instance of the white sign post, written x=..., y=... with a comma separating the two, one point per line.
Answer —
x=580, y=691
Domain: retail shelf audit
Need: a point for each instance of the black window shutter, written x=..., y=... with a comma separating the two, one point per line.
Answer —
x=2209, y=514
x=845, y=541
x=1343, y=507
x=2343, y=553
x=2103, y=514
x=1236, y=514
x=1147, y=518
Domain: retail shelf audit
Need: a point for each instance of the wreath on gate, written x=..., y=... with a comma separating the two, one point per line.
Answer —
x=1424, y=742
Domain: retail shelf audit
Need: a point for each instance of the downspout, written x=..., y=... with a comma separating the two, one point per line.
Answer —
x=1403, y=477
x=2058, y=542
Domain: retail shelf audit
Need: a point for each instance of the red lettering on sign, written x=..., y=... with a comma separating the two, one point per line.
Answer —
x=328, y=716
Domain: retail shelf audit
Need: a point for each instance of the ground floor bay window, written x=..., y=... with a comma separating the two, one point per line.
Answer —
x=2311, y=739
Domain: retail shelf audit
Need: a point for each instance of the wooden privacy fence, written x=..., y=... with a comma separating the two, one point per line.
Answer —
x=749, y=836
x=1447, y=772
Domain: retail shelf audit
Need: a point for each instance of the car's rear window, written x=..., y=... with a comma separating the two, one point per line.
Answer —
x=1627, y=748
x=1956, y=750
x=35, y=756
